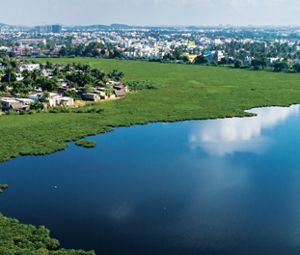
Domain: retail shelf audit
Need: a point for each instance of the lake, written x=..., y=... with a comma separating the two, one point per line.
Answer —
x=228, y=186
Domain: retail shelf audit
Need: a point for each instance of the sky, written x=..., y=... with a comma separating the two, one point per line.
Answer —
x=151, y=12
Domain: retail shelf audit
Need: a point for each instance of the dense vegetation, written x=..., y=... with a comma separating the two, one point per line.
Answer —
x=86, y=143
x=92, y=49
x=20, y=239
x=80, y=78
x=189, y=92
x=3, y=187
x=140, y=85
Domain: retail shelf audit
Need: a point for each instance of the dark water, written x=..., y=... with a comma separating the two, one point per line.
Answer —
x=204, y=187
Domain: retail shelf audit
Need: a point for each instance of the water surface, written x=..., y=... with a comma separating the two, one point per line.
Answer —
x=227, y=186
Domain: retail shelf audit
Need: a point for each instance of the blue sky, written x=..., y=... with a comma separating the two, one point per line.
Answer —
x=151, y=12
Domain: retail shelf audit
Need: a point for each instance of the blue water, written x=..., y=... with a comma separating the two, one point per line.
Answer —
x=227, y=186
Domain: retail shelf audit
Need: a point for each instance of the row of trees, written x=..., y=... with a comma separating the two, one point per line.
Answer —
x=276, y=66
x=260, y=63
x=93, y=49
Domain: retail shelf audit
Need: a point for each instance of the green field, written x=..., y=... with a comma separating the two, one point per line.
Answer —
x=190, y=92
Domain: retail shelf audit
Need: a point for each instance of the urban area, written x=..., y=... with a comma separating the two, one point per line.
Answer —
x=28, y=85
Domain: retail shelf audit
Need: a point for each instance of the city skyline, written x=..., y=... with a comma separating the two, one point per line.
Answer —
x=153, y=12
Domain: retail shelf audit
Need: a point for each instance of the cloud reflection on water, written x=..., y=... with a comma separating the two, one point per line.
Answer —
x=227, y=136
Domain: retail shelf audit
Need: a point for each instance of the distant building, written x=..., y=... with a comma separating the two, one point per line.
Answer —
x=247, y=61
x=29, y=67
x=56, y=28
x=21, y=51
x=297, y=61
x=219, y=55
x=209, y=55
x=32, y=41
x=48, y=29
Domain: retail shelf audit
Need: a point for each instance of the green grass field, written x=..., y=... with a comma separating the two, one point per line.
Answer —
x=190, y=92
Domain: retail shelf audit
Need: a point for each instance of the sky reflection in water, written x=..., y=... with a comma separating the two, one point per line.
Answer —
x=221, y=137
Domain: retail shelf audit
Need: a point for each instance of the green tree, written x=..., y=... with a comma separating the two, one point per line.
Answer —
x=279, y=66
x=48, y=84
x=200, y=60
x=296, y=67
x=9, y=75
x=256, y=64
x=109, y=90
x=116, y=75
x=88, y=88
x=238, y=63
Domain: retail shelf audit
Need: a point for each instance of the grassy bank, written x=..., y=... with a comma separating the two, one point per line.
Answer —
x=190, y=92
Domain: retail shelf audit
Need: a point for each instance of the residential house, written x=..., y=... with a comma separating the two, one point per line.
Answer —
x=10, y=103
x=91, y=97
x=25, y=101
x=29, y=67
x=120, y=93
x=32, y=41
x=35, y=96
x=120, y=90
x=247, y=61
x=21, y=51
x=57, y=100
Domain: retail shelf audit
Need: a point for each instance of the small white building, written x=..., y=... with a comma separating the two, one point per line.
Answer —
x=58, y=100
x=66, y=101
x=29, y=67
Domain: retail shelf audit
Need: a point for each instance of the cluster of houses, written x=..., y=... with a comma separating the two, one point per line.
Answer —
x=23, y=104
x=98, y=94
x=58, y=98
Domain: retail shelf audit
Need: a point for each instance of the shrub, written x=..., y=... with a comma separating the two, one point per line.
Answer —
x=3, y=187
x=86, y=143
x=60, y=110
x=140, y=85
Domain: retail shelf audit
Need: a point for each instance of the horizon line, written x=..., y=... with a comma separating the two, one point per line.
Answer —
x=153, y=25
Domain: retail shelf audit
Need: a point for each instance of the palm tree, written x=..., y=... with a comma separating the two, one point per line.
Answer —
x=109, y=90
x=116, y=75
x=9, y=75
